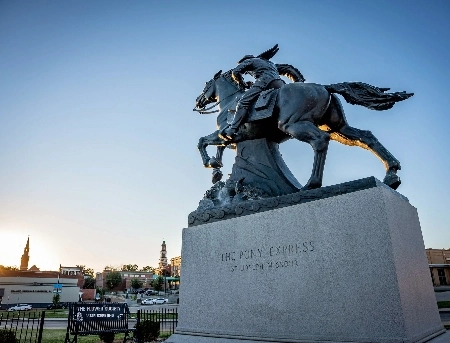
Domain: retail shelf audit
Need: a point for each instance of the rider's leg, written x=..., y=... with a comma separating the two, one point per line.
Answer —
x=243, y=105
x=307, y=132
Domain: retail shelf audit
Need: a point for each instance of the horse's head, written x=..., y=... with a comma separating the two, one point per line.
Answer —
x=209, y=93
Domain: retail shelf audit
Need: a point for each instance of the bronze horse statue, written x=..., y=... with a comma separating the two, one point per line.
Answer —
x=309, y=112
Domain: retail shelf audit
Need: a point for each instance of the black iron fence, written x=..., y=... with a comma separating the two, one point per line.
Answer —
x=166, y=317
x=26, y=326
x=94, y=319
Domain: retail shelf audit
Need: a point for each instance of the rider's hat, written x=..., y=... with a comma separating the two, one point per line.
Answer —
x=246, y=57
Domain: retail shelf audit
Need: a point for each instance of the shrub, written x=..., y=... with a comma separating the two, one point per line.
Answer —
x=107, y=337
x=7, y=336
x=147, y=331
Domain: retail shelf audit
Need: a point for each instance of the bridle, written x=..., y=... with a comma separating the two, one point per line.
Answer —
x=204, y=110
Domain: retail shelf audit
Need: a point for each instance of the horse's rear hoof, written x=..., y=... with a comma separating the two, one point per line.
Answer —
x=392, y=180
x=311, y=184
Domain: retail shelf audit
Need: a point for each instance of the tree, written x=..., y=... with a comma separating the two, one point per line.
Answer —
x=85, y=271
x=8, y=268
x=148, y=269
x=113, y=279
x=89, y=283
x=136, y=283
x=158, y=284
x=130, y=268
x=165, y=271
x=55, y=301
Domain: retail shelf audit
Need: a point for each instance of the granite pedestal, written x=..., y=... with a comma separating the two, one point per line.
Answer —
x=348, y=268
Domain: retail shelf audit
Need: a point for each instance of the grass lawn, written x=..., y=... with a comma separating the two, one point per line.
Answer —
x=56, y=313
x=58, y=336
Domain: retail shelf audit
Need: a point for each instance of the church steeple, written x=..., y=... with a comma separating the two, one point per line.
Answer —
x=162, y=258
x=25, y=257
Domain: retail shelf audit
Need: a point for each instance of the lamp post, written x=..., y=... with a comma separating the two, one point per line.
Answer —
x=164, y=283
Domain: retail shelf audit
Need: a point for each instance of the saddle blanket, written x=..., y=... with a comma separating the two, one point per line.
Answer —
x=264, y=105
x=261, y=109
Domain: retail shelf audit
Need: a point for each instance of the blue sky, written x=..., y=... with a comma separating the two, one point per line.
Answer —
x=98, y=140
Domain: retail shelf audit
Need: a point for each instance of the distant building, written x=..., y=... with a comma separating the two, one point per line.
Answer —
x=127, y=276
x=36, y=287
x=439, y=263
x=72, y=271
x=175, y=266
x=25, y=257
x=162, y=265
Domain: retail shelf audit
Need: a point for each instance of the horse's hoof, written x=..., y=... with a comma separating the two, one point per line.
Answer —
x=392, y=180
x=214, y=163
x=216, y=176
x=311, y=185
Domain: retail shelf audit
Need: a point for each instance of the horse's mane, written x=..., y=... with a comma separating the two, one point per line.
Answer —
x=227, y=76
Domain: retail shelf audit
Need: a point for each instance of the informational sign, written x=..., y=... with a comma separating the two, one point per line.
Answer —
x=97, y=317
x=99, y=312
x=57, y=288
x=94, y=318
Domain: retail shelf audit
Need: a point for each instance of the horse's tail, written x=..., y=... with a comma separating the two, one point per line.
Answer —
x=374, y=98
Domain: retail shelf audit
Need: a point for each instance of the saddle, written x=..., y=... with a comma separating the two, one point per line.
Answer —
x=262, y=108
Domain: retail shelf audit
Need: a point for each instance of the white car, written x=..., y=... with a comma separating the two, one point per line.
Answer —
x=148, y=302
x=160, y=301
x=20, y=307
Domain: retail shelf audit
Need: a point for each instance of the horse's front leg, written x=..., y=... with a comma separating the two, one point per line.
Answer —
x=217, y=173
x=212, y=139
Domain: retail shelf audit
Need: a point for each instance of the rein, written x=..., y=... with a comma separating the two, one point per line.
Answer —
x=204, y=110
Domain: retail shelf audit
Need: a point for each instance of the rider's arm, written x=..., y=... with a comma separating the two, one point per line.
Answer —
x=237, y=72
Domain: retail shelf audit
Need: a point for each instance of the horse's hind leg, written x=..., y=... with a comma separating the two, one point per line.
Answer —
x=351, y=136
x=309, y=133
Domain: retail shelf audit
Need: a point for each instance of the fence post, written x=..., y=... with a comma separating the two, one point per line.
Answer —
x=138, y=321
x=41, y=327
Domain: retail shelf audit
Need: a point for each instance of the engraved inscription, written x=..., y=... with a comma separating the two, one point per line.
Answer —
x=267, y=258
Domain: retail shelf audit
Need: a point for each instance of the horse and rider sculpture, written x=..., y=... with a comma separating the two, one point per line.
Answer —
x=310, y=112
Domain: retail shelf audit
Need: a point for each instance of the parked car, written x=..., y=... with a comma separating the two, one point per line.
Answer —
x=20, y=307
x=160, y=301
x=148, y=301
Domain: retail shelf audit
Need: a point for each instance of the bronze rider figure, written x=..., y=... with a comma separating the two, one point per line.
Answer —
x=266, y=75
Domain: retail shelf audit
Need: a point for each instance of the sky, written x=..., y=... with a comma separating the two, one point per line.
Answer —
x=98, y=140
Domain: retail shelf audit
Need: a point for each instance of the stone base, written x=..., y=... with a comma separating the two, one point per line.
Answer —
x=186, y=338
x=348, y=268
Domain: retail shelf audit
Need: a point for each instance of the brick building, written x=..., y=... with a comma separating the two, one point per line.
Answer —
x=127, y=276
x=175, y=266
x=439, y=263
